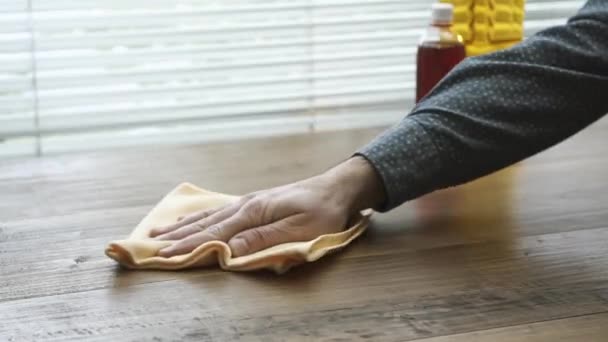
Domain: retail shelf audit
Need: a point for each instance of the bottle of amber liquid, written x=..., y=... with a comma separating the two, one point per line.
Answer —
x=439, y=50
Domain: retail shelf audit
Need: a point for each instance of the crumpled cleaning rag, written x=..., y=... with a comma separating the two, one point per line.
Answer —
x=139, y=251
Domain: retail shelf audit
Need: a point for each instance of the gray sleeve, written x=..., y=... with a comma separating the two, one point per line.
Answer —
x=494, y=110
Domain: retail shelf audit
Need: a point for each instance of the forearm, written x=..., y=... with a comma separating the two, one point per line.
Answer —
x=495, y=110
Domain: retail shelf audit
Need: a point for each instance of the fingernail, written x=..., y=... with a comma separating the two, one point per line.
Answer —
x=238, y=247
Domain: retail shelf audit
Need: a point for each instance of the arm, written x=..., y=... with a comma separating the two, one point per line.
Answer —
x=488, y=113
x=494, y=110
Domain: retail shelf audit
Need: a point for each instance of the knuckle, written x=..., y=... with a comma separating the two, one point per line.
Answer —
x=255, y=237
x=253, y=212
x=243, y=200
x=197, y=227
x=207, y=213
x=248, y=197
x=192, y=217
x=214, y=230
x=254, y=207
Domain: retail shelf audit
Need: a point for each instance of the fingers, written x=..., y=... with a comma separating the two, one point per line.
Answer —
x=200, y=225
x=257, y=239
x=222, y=230
x=184, y=220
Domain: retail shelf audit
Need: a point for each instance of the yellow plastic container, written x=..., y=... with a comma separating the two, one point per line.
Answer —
x=488, y=25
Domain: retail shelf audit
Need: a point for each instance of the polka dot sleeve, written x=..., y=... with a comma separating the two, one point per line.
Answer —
x=494, y=110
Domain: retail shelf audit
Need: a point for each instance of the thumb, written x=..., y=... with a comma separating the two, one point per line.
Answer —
x=257, y=239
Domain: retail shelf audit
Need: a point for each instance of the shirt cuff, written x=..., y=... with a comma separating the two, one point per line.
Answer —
x=406, y=159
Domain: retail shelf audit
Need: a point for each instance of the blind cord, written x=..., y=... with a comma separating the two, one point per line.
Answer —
x=34, y=68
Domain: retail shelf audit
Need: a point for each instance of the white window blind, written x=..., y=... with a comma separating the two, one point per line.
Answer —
x=87, y=74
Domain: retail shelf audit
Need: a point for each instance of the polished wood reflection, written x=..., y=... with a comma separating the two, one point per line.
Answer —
x=518, y=255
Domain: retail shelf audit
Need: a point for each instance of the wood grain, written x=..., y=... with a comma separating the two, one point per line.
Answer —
x=519, y=255
x=588, y=328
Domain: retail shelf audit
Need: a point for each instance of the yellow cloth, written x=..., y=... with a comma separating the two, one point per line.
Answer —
x=139, y=251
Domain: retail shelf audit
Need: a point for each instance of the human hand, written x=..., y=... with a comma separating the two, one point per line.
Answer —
x=299, y=211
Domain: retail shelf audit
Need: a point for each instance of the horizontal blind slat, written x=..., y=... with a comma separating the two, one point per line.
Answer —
x=17, y=124
x=122, y=109
x=82, y=23
x=234, y=7
x=177, y=134
x=115, y=65
x=75, y=122
x=54, y=78
x=118, y=56
x=65, y=97
x=16, y=81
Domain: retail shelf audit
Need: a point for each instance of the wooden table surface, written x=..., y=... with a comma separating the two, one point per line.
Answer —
x=517, y=256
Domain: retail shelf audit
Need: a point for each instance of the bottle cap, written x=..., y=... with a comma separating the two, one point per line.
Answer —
x=443, y=13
